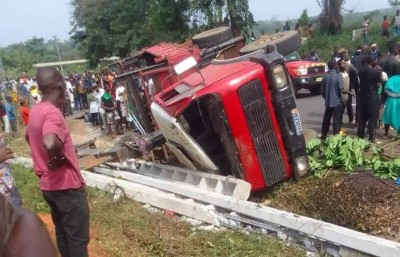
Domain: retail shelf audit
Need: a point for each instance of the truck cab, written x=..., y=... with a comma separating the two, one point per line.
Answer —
x=305, y=74
x=236, y=117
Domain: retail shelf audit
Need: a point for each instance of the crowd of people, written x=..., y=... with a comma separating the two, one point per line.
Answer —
x=99, y=95
x=49, y=98
x=373, y=80
x=104, y=100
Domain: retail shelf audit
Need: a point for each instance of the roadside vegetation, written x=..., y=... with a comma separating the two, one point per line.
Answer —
x=125, y=228
x=350, y=153
x=352, y=185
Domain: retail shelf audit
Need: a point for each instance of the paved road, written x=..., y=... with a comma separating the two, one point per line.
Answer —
x=311, y=110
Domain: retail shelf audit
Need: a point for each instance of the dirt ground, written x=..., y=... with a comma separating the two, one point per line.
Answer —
x=83, y=132
x=358, y=201
x=92, y=249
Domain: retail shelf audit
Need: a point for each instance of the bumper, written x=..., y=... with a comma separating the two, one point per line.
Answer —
x=307, y=82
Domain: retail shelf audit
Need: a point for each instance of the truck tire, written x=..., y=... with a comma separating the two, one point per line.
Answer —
x=285, y=42
x=212, y=37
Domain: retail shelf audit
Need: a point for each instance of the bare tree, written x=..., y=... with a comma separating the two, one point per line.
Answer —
x=330, y=17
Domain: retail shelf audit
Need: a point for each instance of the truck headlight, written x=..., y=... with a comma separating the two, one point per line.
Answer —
x=326, y=68
x=302, y=166
x=301, y=71
x=280, y=76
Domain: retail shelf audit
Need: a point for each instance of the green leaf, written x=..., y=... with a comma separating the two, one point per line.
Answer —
x=329, y=163
x=377, y=165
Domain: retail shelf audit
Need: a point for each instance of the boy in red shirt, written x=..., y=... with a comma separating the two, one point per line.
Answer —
x=385, y=27
x=24, y=112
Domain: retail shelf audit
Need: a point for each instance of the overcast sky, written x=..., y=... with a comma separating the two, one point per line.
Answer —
x=22, y=19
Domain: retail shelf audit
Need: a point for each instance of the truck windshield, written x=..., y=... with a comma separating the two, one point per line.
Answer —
x=293, y=56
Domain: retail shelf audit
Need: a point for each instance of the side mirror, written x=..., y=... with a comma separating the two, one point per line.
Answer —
x=185, y=65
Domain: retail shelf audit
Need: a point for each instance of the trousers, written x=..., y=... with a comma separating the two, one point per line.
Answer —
x=6, y=124
x=336, y=113
x=369, y=113
x=70, y=215
x=349, y=109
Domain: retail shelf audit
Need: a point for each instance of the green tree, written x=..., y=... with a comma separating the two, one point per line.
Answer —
x=21, y=57
x=304, y=20
x=168, y=20
x=117, y=27
x=330, y=17
x=214, y=13
x=240, y=16
x=394, y=2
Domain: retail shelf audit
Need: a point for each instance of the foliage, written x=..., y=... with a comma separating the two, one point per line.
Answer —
x=125, y=25
x=331, y=17
x=240, y=17
x=324, y=44
x=350, y=153
x=28, y=186
x=20, y=57
x=394, y=2
x=304, y=20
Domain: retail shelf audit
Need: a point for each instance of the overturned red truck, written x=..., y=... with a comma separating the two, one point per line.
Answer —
x=228, y=113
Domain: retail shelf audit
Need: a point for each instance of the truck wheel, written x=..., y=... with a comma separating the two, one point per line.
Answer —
x=285, y=42
x=212, y=37
x=315, y=90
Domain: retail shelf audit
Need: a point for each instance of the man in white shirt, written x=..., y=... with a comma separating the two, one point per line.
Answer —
x=151, y=88
x=396, y=23
x=120, y=97
x=98, y=93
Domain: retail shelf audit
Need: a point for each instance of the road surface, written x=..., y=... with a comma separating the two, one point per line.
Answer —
x=311, y=110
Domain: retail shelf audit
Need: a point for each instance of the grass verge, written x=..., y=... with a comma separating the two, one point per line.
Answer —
x=126, y=229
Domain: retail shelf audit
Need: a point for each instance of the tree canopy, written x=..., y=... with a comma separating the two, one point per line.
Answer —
x=304, y=20
x=119, y=27
x=331, y=18
x=394, y=2
x=17, y=58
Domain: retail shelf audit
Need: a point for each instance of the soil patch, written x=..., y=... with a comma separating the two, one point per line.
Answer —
x=358, y=201
x=94, y=249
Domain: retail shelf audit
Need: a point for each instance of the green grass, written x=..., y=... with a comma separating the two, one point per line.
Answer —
x=28, y=186
x=126, y=229
x=324, y=43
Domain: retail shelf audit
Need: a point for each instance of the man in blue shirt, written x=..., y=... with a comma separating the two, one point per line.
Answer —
x=10, y=112
x=331, y=90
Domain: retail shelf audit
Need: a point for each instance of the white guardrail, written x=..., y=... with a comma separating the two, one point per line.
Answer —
x=218, y=209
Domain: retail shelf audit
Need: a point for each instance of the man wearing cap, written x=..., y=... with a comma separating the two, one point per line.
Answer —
x=375, y=53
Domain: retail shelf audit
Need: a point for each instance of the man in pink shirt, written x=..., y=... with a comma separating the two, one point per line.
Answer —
x=56, y=164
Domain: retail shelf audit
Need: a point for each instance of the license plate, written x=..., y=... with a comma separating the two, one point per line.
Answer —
x=297, y=122
x=318, y=79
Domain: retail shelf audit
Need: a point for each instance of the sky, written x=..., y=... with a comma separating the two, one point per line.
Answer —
x=24, y=19
x=289, y=9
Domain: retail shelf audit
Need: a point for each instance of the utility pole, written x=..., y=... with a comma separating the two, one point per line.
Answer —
x=59, y=56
